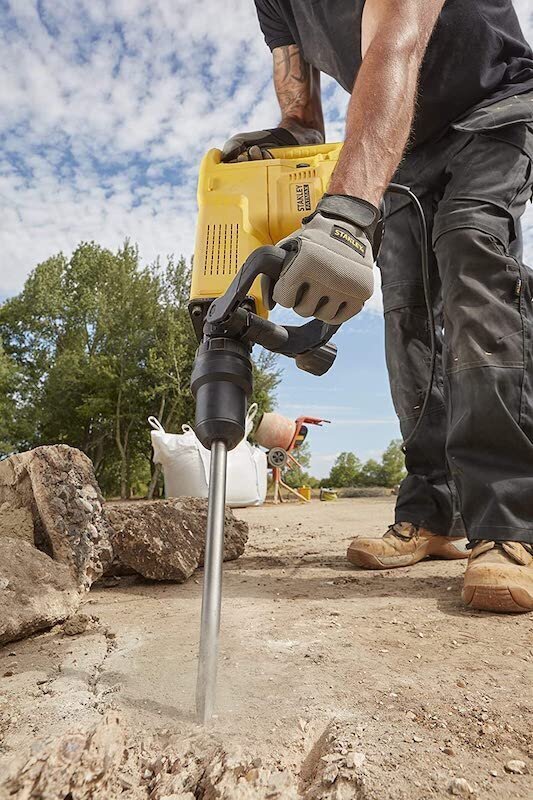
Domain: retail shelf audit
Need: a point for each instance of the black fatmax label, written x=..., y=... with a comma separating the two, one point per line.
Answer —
x=347, y=238
x=303, y=197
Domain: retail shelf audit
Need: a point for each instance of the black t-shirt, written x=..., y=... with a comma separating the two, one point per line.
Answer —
x=477, y=53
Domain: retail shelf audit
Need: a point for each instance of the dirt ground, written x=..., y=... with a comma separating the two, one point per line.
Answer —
x=436, y=692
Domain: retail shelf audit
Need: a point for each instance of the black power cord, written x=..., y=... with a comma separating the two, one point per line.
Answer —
x=397, y=188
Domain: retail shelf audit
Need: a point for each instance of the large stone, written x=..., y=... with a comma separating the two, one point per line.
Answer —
x=16, y=523
x=57, y=485
x=109, y=761
x=35, y=591
x=82, y=764
x=164, y=539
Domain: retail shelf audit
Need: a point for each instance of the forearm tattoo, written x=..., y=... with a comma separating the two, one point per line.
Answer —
x=289, y=63
x=298, y=92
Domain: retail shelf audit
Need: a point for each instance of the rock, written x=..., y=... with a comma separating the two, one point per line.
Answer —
x=236, y=530
x=40, y=592
x=56, y=485
x=516, y=767
x=164, y=539
x=81, y=764
x=76, y=624
x=16, y=523
x=459, y=787
x=107, y=762
x=336, y=770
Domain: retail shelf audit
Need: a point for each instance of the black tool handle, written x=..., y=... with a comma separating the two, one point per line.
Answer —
x=266, y=260
x=290, y=340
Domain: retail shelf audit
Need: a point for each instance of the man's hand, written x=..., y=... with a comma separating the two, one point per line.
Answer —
x=329, y=275
x=298, y=90
x=254, y=145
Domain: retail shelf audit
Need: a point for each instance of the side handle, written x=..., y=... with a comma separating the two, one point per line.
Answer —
x=266, y=260
x=309, y=343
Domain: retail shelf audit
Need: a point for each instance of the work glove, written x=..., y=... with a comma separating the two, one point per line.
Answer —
x=253, y=146
x=328, y=273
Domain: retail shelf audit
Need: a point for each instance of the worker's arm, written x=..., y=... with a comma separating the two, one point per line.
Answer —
x=395, y=35
x=329, y=272
x=297, y=88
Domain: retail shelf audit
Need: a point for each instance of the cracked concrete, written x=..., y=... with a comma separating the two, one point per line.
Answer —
x=435, y=691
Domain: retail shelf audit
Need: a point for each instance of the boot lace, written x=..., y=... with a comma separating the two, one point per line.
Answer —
x=405, y=534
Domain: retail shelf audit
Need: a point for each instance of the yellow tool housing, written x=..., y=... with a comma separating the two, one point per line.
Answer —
x=245, y=205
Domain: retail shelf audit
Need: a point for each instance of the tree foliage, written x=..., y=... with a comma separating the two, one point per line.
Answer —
x=91, y=347
x=8, y=390
x=345, y=471
x=349, y=471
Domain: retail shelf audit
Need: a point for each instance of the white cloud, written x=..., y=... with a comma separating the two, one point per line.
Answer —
x=106, y=109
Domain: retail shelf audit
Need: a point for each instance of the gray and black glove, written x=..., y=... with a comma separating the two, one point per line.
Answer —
x=329, y=274
x=253, y=146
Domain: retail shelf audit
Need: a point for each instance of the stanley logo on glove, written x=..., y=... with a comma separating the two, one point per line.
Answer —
x=346, y=237
x=328, y=273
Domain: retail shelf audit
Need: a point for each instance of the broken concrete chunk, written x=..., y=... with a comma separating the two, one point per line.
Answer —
x=336, y=772
x=164, y=539
x=16, y=523
x=56, y=487
x=81, y=764
x=37, y=591
x=76, y=624
x=107, y=762
x=516, y=767
x=236, y=530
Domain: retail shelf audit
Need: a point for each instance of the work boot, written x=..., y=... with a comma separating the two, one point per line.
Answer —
x=499, y=577
x=404, y=544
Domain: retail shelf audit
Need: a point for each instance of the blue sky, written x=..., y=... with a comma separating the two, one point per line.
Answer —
x=106, y=108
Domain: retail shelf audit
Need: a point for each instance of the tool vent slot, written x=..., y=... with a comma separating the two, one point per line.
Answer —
x=302, y=175
x=222, y=249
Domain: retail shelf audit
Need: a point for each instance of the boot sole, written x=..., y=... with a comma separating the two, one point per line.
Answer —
x=366, y=560
x=498, y=599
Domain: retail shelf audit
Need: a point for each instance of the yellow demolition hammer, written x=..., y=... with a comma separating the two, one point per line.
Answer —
x=244, y=208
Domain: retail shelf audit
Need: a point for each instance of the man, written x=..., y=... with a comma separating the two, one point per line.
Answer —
x=448, y=87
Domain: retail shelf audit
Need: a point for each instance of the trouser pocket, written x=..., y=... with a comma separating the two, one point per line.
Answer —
x=485, y=293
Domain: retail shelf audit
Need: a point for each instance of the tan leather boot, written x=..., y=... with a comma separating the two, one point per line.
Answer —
x=404, y=544
x=499, y=577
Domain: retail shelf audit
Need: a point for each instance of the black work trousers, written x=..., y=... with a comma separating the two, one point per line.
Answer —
x=470, y=466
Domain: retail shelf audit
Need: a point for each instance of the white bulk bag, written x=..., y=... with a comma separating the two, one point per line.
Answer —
x=186, y=465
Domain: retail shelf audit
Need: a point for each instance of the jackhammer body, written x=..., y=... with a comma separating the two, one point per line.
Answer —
x=243, y=209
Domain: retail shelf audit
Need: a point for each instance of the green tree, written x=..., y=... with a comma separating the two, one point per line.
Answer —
x=92, y=346
x=346, y=471
x=8, y=384
x=393, y=464
x=267, y=376
x=100, y=343
x=371, y=473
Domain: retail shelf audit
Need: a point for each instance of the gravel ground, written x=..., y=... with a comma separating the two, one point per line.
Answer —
x=441, y=697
